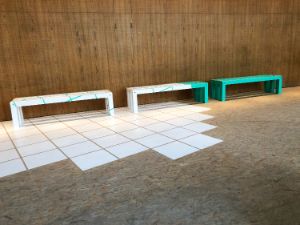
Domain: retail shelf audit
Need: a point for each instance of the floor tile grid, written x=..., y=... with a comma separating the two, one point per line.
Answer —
x=80, y=116
x=40, y=132
x=177, y=126
x=159, y=133
x=15, y=148
x=134, y=140
x=62, y=121
x=92, y=141
x=50, y=142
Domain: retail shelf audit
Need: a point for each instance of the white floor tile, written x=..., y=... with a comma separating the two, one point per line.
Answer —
x=178, y=133
x=137, y=133
x=43, y=158
x=145, y=122
x=175, y=150
x=8, y=155
x=164, y=117
x=4, y=138
x=122, y=127
x=161, y=126
x=51, y=127
x=69, y=117
x=94, y=115
x=79, y=122
x=168, y=110
x=179, y=121
x=111, y=140
x=199, y=127
x=87, y=127
x=23, y=132
x=111, y=122
x=198, y=117
x=60, y=133
x=201, y=141
x=6, y=145
x=102, y=132
x=126, y=149
x=2, y=130
x=122, y=113
x=36, y=148
x=181, y=112
x=80, y=149
x=69, y=140
x=30, y=140
x=195, y=108
x=133, y=117
x=93, y=159
x=154, y=140
x=11, y=167
x=100, y=119
x=151, y=113
x=44, y=118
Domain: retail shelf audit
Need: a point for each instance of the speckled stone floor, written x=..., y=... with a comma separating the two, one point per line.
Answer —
x=253, y=177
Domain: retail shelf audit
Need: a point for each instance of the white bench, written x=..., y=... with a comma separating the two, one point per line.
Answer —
x=17, y=103
x=200, y=91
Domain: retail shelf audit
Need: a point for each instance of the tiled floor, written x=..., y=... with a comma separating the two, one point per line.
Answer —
x=92, y=139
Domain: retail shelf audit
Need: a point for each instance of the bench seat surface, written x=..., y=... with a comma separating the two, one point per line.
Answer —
x=57, y=98
x=168, y=87
x=248, y=79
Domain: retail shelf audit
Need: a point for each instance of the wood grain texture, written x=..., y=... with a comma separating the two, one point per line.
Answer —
x=55, y=46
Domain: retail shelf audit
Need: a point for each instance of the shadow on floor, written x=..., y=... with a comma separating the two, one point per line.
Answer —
x=247, y=95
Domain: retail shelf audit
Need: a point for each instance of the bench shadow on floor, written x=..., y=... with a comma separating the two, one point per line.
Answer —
x=250, y=94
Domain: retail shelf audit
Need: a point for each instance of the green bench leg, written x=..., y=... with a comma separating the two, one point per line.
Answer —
x=201, y=94
x=223, y=92
x=212, y=89
x=279, y=86
x=268, y=86
x=273, y=86
x=205, y=92
x=218, y=90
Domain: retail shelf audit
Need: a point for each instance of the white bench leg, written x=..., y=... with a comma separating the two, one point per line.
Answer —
x=129, y=103
x=109, y=103
x=17, y=115
x=134, y=102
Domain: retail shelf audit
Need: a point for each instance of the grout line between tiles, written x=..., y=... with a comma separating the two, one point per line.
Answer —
x=54, y=144
x=91, y=141
x=15, y=147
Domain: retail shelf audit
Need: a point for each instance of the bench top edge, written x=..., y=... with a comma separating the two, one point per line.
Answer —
x=267, y=76
x=62, y=95
x=169, y=84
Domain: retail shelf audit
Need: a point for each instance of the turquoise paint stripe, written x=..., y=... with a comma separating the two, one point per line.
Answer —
x=43, y=100
x=74, y=98
x=167, y=88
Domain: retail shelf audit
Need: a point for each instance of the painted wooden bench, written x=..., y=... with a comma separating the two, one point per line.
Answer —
x=17, y=103
x=272, y=84
x=200, y=90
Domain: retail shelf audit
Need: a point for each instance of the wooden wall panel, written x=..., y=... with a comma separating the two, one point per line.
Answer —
x=54, y=46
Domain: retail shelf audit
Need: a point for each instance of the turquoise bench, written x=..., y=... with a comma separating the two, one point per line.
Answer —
x=272, y=84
